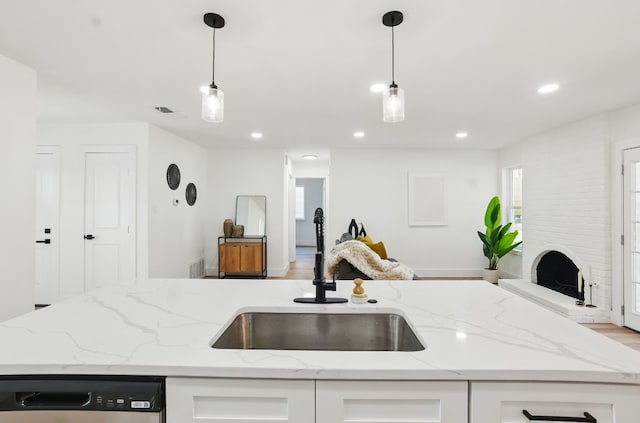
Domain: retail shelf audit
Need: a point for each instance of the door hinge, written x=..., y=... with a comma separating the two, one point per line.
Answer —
x=622, y=169
x=622, y=309
x=621, y=239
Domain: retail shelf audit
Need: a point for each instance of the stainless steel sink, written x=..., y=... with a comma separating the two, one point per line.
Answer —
x=319, y=331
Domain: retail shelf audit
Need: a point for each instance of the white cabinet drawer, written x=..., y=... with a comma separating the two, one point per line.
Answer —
x=390, y=401
x=208, y=400
x=498, y=402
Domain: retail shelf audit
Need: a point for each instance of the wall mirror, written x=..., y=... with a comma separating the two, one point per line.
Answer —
x=251, y=211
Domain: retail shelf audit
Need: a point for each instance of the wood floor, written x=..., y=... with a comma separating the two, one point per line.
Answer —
x=302, y=268
x=625, y=336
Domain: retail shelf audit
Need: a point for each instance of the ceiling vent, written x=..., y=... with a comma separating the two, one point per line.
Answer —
x=163, y=109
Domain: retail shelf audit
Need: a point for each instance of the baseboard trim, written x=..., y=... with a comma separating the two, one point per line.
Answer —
x=507, y=275
x=272, y=272
x=280, y=272
x=448, y=273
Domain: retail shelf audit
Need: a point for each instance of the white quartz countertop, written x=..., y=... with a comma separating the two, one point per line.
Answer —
x=472, y=330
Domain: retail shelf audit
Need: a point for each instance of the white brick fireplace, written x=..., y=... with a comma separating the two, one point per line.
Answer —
x=566, y=203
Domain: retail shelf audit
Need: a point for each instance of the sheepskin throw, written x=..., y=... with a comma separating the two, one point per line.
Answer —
x=367, y=261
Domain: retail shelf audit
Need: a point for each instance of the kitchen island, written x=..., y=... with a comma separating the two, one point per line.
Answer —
x=473, y=333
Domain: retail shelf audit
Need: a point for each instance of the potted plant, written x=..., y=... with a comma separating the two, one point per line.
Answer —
x=497, y=241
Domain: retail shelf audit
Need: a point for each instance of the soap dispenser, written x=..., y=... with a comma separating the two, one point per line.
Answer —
x=358, y=296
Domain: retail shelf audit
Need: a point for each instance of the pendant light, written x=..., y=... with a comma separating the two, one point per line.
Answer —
x=392, y=97
x=212, y=97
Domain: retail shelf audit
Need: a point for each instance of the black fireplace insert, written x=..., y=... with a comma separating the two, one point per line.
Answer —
x=558, y=272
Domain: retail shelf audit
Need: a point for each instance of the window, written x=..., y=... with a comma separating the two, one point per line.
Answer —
x=513, y=200
x=299, y=202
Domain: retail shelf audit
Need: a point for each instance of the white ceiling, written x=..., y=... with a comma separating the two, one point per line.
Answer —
x=299, y=71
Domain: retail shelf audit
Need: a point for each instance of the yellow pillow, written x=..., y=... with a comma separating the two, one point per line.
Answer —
x=366, y=239
x=377, y=247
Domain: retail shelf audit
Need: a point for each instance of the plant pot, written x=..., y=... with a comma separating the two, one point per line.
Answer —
x=490, y=275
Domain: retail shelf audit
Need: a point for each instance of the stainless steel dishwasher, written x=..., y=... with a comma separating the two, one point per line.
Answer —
x=79, y=399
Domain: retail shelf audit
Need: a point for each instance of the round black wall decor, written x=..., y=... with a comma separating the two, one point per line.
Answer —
x=191, y=194
x=173, y=176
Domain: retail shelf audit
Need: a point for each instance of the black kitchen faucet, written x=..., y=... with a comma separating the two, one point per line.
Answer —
x=322, y=286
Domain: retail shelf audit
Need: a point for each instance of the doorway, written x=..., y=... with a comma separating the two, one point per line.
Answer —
x=301, y=230
x=110, y=218
x=631, y=244
x=310, y=195
x=47, y=232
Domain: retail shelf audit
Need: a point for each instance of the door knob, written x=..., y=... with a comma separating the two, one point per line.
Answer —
x=44, y=241
x=89, y=236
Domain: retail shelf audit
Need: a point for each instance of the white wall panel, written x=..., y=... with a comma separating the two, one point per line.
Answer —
x=17, y=160
x=176, y=233
x=373, y=190
x=233, y=172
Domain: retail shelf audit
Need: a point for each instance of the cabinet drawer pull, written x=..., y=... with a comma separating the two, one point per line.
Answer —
x=588, y=418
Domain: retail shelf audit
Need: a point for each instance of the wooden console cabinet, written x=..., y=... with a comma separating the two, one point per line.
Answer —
x=242, y=257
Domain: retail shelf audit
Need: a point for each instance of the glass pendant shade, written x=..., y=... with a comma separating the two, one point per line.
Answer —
x=212, y=104
x=393, y=104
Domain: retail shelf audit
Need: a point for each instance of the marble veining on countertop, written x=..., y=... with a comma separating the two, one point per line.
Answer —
x=472, y=330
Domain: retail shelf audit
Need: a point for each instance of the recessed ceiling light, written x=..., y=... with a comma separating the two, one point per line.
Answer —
x=310, y=157
x=549, y=88
x=256, y=135
x=358, y=134
x=462, y=135
x=378, y=87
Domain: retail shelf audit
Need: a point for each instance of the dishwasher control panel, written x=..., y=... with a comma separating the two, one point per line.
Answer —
x=100, y=393
x=122, y=401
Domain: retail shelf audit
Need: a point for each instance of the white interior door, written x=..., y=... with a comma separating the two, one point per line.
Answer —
x=110, y=247
x=292, y=218
x=631, y=289
x=47, y=253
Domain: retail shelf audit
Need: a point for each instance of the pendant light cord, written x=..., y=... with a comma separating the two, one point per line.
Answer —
x=393, y=58
x=213, y=64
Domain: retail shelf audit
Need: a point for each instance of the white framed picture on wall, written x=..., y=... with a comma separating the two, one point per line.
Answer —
x=427, y=199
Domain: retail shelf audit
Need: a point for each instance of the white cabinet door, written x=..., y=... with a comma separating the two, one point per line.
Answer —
x=498, y=402
x=204, y=400
x=386, y=402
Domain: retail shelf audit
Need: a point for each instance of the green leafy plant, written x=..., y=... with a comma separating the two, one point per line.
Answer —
x=497, y=241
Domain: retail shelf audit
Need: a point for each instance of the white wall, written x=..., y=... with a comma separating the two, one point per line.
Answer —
x=176, y=233
x=510, y=266
x=17, y=222
x=374, y=191
x=310, y=168
x=313, y=198
x=73, y=140
x=233, y=172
